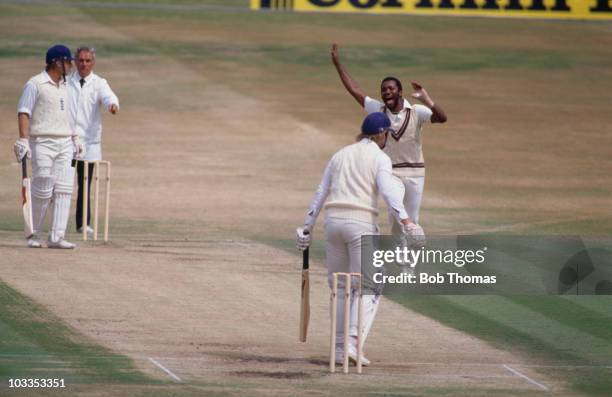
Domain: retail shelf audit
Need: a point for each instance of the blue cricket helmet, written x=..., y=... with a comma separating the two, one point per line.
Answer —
x=58, y=51
x=375, y=123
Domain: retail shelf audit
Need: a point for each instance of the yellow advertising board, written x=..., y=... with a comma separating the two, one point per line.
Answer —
x=557, y=9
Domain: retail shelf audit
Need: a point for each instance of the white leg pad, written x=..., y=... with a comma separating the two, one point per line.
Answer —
x=42, y=189
x=339, y=315
x=370, y=307
x=59, y=217
x=62, y=191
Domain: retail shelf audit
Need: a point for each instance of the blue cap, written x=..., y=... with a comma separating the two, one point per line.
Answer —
x=58, y=51
x=375, y=123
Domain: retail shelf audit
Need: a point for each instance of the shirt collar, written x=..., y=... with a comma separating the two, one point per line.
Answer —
x=407, y=105
x=48, y=78
x=77, y=77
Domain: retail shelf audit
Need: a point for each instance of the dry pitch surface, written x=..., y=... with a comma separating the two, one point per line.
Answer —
x=215, y=160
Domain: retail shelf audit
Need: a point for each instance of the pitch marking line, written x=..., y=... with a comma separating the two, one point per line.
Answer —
x=528, y=379
x=166, y=370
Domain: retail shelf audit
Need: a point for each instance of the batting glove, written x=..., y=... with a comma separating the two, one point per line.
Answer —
x=22, y=149
x=79, y=148
x=413, y=236
x=303, y=238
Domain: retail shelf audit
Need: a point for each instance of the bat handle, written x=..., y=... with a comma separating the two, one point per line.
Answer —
x=24, y=167
x=305, y=254
x=305, y=259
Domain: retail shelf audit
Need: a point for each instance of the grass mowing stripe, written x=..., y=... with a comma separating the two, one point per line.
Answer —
x=599, y=304
x=464, y=316
x=30, y=330
x=581, y=345
x=570, y=314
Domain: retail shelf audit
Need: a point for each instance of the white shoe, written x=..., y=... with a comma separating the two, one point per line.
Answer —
x=339, y=355
x=34, y=242
x=61, y=244
x=352, y=353
x=90, y=231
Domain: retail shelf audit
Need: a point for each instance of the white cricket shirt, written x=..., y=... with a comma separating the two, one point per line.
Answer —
x=86, y=103
x=47, y=105
x=351, y=182
x=405, y=146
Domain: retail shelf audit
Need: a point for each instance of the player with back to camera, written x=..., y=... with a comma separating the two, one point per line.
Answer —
x=46, y=136
x=349, y=192
x=405, y=146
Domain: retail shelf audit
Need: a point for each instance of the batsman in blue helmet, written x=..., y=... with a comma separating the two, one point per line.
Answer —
x=46, y=136
x=349, y=193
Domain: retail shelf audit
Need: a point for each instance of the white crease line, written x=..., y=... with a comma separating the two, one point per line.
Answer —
x=528, y=379
x=166, y=370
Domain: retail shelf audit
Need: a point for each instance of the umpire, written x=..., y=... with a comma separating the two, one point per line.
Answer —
x=89, y=93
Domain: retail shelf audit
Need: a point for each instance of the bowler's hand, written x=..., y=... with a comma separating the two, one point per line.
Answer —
x=113, y=108
x=420, y=94
x=334, y=54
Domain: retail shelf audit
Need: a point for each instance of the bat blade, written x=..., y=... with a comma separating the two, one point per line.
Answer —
x=305, y=307
x=26, y=201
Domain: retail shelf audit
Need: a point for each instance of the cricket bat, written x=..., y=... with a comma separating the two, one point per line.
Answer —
x=26, y=199
x=305, y=308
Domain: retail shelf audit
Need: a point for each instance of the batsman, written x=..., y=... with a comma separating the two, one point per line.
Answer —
x=46, y=136
x=349, y=190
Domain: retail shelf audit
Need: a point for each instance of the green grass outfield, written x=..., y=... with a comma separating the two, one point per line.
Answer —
x=36, y=344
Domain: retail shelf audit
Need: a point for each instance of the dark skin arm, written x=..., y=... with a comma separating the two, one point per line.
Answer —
x=438, y=115
x=351, y=85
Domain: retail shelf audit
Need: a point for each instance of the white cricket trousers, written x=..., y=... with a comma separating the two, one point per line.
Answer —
x=52, y=177
x=412, y=201
x=343, y=253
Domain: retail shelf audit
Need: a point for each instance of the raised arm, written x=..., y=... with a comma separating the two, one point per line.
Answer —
x=437, y=114
x=351, y=85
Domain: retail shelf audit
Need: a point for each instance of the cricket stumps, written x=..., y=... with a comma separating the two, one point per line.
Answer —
x=346, y=321
x=96, y=176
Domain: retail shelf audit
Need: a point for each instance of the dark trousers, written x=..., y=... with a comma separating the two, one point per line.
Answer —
x=79, y=206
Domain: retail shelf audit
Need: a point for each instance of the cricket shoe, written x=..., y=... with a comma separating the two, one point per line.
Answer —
x=61, y=244
x=90, y=231
x=34, y=242
x=352, y=353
